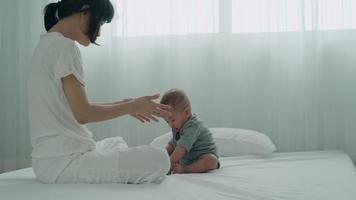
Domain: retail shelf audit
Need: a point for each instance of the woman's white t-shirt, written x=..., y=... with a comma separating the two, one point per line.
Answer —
x=54, y=129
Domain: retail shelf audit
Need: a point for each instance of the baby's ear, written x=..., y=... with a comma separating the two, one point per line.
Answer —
x=187, y=111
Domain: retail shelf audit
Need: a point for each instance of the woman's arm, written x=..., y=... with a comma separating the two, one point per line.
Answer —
x=142, y=108
x=115, y=103
x=138, y=116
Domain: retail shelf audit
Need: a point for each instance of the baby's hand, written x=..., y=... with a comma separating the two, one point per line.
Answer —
x=177, y=168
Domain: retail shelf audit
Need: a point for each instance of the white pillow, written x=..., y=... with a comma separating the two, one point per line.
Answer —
x=232, y=142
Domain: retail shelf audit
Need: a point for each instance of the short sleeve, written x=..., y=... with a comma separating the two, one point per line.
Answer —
x=69, y=62
x=191, y=134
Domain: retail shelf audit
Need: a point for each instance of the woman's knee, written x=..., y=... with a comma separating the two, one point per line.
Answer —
x=159, y=158
x=111, y=144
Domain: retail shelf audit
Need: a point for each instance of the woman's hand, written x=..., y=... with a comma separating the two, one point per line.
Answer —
x=145, y=109
x=138, y=116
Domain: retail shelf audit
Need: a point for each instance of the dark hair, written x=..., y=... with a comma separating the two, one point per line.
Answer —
x=175, y=98
x=101, y=11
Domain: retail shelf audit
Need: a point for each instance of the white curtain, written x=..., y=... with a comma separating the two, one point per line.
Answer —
x=292, y=15
x=264, y=65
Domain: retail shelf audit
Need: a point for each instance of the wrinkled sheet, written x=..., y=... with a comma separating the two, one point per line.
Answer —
x=301, y=175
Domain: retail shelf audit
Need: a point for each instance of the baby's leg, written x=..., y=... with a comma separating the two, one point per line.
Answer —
x=206, y=162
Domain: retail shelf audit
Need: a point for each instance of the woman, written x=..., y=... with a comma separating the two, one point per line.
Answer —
x=63, y=148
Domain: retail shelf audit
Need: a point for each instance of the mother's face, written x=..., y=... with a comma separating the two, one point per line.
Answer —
x=83, y=22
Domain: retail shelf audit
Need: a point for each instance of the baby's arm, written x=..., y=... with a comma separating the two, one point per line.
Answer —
x=169, y=149
x=177, y=154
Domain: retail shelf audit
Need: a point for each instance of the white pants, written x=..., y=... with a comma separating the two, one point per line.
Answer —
x=111, y=162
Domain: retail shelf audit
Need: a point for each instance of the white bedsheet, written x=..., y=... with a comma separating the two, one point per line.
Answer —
x=304, y=175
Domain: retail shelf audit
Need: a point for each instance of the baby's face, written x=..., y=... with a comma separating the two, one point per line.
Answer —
x=176, y=120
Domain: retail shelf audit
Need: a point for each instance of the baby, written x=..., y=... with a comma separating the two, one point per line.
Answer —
x=192, y=148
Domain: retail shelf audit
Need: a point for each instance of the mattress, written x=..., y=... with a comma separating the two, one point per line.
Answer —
x=300, y=175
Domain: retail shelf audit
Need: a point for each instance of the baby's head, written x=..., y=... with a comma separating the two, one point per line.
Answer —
x=181, y=110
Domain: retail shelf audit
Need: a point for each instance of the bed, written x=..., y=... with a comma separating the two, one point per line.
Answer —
x=319, y=175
